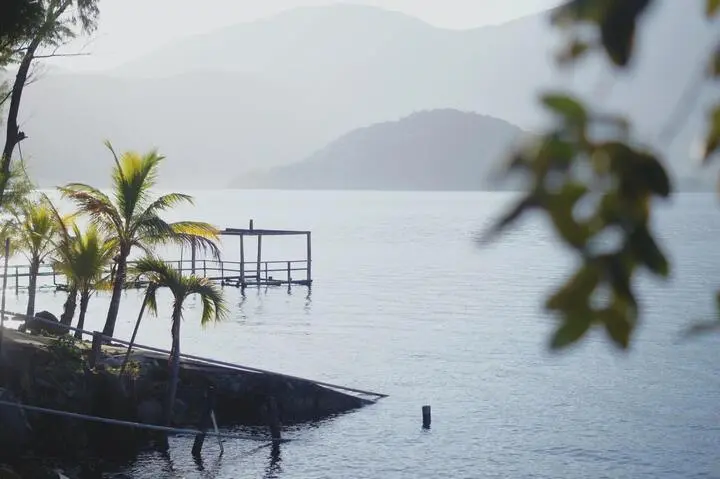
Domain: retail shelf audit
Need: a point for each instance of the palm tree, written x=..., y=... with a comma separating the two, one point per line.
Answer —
x=132, y=216
x=159, y=274
x=33, y=233
x=83, y=258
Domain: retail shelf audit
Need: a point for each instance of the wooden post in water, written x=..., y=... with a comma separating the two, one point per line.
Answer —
x=259, y=258
x=17, y=280
x=426, y=415
x=309, y=258
x=205, y=267
x=95, y=351
x=289, y=274
x=274, y=419
x=242, y=262
x=205, y=421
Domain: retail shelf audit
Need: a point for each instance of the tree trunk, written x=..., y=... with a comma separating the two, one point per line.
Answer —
x=118, y=285
x=134, y=334
x=84, y=300
x=32, y=286
x=69, y=307
x=12, y=132
x=174, y=367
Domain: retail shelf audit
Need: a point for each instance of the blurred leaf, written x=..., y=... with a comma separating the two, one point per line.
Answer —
x=567, y=107
x=619, y=272
x=653, y=174
x=648, y=252
x=553, y=153
x=508, y=218
x=574, y=295
x=617, y=325
x=572, y=329
x=573, y=51
x=579, y=11
x=712, y=142
x=711, y=7
x=714, y=67
x=617, y=29
x=560, y=208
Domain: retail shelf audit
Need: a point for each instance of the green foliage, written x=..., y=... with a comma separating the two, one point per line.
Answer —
x=160, y=275
x=84, y=257
x=65, y=350
x=33, y=231
x=18, y=20
x=132, y=215
x=598, y=188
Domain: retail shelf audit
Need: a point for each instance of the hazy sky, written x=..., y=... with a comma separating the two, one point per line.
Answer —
x=129, y=28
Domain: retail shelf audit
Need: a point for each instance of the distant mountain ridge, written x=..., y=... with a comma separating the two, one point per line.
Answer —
x=430, y=150
x=272, y=92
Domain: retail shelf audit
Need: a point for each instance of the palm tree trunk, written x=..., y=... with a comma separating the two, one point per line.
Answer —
x=32, y=286
x=118, y=285
x=174, y=366
x=69, y=307
x=134, y=335
x=84, y=300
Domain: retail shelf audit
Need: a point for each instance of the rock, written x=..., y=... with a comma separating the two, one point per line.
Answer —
x=39, y=327
x=150, y=411
x=15, y=431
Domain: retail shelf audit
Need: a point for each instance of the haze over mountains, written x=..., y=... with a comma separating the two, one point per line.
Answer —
x=431, y=150
x=279, y=91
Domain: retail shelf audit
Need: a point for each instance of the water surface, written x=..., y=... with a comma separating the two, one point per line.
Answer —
x=406, y=304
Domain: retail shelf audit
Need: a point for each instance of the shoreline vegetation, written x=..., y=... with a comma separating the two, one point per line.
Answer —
x=43, y=364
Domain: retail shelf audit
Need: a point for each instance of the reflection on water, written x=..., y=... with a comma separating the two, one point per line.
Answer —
x=274, y=467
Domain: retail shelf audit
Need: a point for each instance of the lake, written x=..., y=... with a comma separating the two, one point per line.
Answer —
x=404, y=302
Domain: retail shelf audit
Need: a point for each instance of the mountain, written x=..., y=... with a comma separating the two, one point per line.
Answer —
x=431, y=150
x=271, y=92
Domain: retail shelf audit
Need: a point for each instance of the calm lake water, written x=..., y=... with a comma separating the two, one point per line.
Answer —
x=406, y=304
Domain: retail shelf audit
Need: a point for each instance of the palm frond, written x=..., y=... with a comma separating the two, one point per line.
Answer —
x=133, y=178
x=214, y=307
x=157, y=271
x=96, y=205
x=151, y=298
x=155, y=231
x=163, y=203
x=160, y=274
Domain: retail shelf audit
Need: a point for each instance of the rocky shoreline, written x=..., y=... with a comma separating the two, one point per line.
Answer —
x=53, y=372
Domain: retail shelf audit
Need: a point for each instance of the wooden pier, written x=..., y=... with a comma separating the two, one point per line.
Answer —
x=249, y=270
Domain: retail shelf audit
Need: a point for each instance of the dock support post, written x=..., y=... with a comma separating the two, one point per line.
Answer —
x=242, y=262
x=289, y=274
x=95, y=351
x=17, y=281
x=427, y=417
x=274, y=419
x=259, y=258
x=309, y=258
x=192, y=256
x=205, y=422
x=205, y=267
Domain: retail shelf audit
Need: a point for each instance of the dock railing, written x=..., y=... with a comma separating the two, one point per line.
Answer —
x=228, y=273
